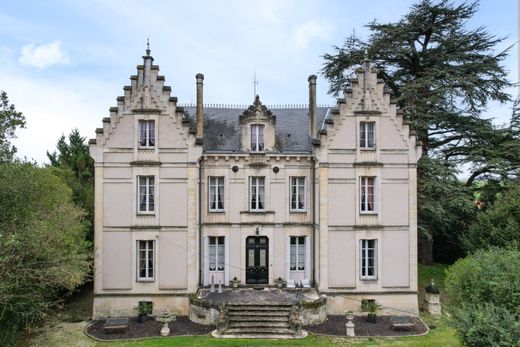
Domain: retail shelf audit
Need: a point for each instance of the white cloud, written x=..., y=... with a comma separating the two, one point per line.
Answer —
x=308, y=31
x=43, y=56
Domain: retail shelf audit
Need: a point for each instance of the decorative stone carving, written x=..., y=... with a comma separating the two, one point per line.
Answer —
x=294, y=320
x=223, y=320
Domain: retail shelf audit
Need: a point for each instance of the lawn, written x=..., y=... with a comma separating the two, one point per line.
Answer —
x=66, y=329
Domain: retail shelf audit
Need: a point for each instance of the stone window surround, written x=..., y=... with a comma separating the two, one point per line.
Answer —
x=263, y=195
x=294, y=179
x=154, y=186
x=374, y=211
x=363, y=135
x=147, y=124
x=220, y=182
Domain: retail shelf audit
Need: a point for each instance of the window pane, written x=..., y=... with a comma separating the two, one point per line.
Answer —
x=220, y=195
x=370, y=134
x=301, y=194
x=362, y=134
x=151, y=133
x=293, y=253
x=212, y=256
x=220, y=255
x=261, y=194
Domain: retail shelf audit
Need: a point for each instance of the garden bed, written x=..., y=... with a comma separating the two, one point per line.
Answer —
x=182, y=326
x=335, y=326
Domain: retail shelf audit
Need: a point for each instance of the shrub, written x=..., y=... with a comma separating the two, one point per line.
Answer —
x=484, y=293
x=488, y=276
x=486, y=326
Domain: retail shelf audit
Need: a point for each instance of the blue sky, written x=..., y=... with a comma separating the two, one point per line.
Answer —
x=63, y=63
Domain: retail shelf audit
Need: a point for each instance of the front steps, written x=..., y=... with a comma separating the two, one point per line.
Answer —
x=257, y=321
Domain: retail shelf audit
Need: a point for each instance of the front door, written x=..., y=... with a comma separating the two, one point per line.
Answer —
x=257, y=256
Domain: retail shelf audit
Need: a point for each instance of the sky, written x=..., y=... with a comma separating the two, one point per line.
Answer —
x=63, y=63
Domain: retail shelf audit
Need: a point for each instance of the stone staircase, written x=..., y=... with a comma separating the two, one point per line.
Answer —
x=258, y=321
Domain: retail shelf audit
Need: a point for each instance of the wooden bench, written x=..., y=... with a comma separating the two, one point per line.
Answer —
x=115, y=325
x=401, y=323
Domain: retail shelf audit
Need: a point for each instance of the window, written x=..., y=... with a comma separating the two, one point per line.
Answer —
x=216, y=253
x=297, y=253
x=146, y=133
x=368, y=259
x=367, y=196
x=257, y=138
x=256, y=193
x=366, y=134
x=216, y=193
x=145, y=260
x=297, y=193
x=146, y=197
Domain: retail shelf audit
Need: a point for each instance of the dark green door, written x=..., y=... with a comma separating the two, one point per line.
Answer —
x=257, y=258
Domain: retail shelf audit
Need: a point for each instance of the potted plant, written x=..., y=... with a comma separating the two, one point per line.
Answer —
x=279, y=282
x=234, y=282
x=372, y=307
x=349, y=315
x=144, y=308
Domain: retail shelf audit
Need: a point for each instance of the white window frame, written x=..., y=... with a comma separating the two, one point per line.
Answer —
x=256, y=144
x=219, y=259
x=363, y=135
x=149, y=192
x=149, y=261
x=295, y=182
x=214, y=182
x=254, y=181
x=363, y=191
x=364, y=247
x=148, y=127
x=297, y=248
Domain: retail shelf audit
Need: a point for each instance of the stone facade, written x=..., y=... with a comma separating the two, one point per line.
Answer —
x=325, y=196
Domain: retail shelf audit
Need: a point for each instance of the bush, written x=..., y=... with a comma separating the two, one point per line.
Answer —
x=488, y=276
x=486, y=326
x=43, y=252
x=484, y=294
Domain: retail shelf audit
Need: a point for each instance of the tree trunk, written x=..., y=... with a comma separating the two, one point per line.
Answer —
x=425, y=250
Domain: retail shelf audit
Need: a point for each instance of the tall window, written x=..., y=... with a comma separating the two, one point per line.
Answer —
x=257, y=193
x=368, y=259
x=257, y=138
x=146, y=133
x=216, y=193
x=216, y=253
x=297, y=253
x=146, y=194
x=145, y=260
x=297, y=193
x=366, y=136
x=367, y=194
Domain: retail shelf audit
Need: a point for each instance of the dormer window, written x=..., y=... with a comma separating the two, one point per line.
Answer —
x=366, y=134
x=146, y=133
x=257, y=137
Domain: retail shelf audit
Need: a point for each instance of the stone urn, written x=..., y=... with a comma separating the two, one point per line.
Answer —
x=165, y=318
x=432, y=299
x=279, y=282
x=234, y=282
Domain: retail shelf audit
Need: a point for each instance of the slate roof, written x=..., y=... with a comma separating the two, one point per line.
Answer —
x=222, y=130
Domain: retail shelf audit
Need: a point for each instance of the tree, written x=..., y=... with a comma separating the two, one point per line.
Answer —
x=43, y=252
x=499, y=225
x=10, y=119
x=483, y=293
x=442, y=76
x=73, y=163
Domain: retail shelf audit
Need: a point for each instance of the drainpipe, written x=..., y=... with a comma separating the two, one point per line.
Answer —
x=313, y=190
x=201, y=161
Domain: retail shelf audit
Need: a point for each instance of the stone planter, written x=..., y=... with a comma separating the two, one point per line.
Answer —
x=279, y=283
x=234, y=283
x=432, y=299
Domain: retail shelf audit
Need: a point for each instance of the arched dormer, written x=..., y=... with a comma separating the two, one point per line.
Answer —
x=257, y=128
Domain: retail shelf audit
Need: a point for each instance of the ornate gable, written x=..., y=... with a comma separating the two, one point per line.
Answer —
x=257, y=115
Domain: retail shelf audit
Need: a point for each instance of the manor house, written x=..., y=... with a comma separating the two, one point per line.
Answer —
x=321, y=197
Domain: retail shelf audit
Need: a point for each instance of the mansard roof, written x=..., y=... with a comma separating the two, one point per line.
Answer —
x=222, y=128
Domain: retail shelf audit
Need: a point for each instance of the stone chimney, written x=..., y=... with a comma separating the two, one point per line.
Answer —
x=312, y=107
x=200, y=111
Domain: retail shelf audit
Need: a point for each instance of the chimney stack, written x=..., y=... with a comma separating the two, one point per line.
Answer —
x=200, y=125
x=312, y=106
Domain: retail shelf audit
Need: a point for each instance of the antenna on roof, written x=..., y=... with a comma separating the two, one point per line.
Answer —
x=148, y=46
x=255, y=83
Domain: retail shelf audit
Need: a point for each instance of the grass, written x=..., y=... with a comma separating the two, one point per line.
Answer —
x=63, y=329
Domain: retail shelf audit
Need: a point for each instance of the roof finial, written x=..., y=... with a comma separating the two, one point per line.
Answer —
x=366, y=54
x=148, y=46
